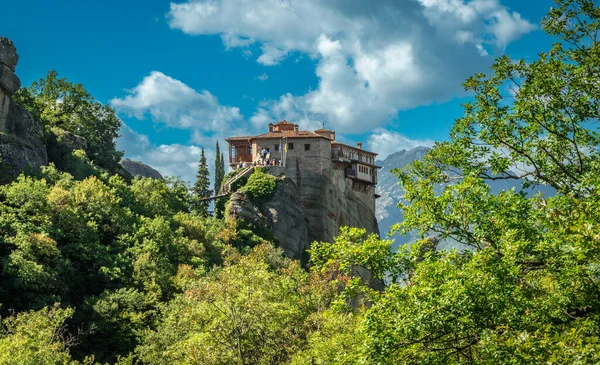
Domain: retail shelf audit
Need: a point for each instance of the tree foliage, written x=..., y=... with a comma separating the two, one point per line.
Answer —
x=249, y=312
x=201, y=187
x=95, y=244
x=526, y=288
x=58, y=103
x=35, y=338
x=260, y=185
x=219, y=169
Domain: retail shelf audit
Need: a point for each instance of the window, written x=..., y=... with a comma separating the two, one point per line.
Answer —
x=290, y=146
x=307, y=147
x=276, y=148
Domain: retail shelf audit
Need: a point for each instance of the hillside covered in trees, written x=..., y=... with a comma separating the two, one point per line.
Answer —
x=97, y=268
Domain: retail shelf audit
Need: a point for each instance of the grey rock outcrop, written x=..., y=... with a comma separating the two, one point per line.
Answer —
x=8, y=80
x=8, y=54
x=124, y=174
x=306, y=207
x=286, y=219
x=60, y=145
x=136, y=168
x=240, y=207
x=70, y=141
x=281, y=214
x=21, y=136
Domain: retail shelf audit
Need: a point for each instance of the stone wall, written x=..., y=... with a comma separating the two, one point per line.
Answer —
x=317, y=159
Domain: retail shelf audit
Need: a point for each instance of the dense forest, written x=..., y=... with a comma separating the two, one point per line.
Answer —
x=98, y=269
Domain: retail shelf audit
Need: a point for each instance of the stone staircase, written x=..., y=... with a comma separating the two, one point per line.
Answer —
x=226, y=188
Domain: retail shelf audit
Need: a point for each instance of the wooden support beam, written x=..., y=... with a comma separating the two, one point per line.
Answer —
x=213, y=197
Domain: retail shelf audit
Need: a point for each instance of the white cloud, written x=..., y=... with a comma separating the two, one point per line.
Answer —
x=168, y=159
x=509, y=26
x=498, y=23
x=373, y=57
x=171, y=102
x=262, y=77
x=232, y=41
x=386, y=142
x=271, y=55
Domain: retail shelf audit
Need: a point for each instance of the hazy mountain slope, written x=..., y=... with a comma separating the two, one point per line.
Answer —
x=391, y=192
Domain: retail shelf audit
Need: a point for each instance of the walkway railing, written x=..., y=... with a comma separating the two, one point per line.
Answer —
x=246, y=171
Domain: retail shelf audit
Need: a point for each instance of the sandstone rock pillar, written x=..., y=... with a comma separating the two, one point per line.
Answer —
x=9, y=82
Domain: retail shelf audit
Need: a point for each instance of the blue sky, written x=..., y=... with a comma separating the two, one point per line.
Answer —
x=182, y=75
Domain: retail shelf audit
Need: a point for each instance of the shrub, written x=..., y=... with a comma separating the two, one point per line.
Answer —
x=260, y=186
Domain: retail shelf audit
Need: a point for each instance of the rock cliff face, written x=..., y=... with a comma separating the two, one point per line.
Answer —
x=136, y=168
x=282, y=214
x=21, y=136
x=306, y=207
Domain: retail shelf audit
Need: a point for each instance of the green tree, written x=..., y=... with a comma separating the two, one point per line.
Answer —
x=201, y=188
x=58, y=103
x=219, y=169
x=36, y=338
x=524, y=287
x=251, y=311
x=114, y=251
x=260, y=185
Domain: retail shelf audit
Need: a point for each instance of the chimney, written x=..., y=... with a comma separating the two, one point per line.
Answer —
x=359, y=145
x=270, y=127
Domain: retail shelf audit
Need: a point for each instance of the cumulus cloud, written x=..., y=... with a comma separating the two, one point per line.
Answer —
x=171, y=102
x=387, y=142
x=168, y=159
x=373, y=57
x=497, y=22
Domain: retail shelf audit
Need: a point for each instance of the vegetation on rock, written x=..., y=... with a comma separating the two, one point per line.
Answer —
x=58, y=103
x=260, y=185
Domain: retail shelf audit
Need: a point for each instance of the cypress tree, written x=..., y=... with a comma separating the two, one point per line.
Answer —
x=201, y=187
x=222, y=167
x=219, y=169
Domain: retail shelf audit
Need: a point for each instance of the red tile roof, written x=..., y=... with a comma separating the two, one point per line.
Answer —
x=288, y=134
x=284, y=122
x=241, y=138
x=353, y=147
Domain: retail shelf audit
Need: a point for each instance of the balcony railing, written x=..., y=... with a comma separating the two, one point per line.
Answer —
x=350, y=172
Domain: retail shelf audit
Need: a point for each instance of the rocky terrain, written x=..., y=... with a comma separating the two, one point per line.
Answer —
x=21, y=136
x=136, y=168
x=306, y=207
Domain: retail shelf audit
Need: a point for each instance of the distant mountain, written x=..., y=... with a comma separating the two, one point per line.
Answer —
x=391, y=192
